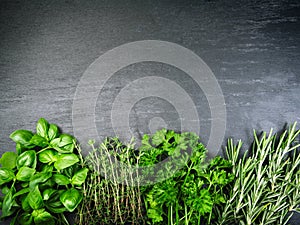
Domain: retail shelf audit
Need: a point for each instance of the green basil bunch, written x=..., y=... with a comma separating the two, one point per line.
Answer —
x=41, y=180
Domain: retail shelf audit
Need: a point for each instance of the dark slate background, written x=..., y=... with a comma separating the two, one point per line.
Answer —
x=252, y=48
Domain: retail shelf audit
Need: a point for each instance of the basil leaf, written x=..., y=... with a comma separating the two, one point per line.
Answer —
x=6, y=175
x=22, y=137
x=39, y=178
x=21, y=192
x=65, y=160
x=5, y=190
x=55, y=144
x=39, y=141
x=48, y=193
x=71, y=170
x=63, y=144
x=68, y=148
x=47, y=168
x=71, y=199
x=19, y=148
x=65, y=139
x=25, y=173
x=8, y=160
x=57, y=209
x=25, y=204
x=8, y=202
x=79, y=177
x=42, y=217
x=55, y=197
x=25, y=219
x=48, y=184
x=52, y=132
x=48, y=156
x=54, y=204
x=27, y=158
x=35, y=199
x=42, y=128
x=61, y=179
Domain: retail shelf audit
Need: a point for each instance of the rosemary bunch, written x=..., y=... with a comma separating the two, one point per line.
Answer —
x=266, y=190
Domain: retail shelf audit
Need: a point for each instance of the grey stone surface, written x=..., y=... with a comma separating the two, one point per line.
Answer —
x=252, y=48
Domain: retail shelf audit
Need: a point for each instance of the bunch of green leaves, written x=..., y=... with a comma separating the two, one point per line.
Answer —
x=266, y=189
x=111, y=191
x=189, y=189
x=41, y=180
x=165, y=153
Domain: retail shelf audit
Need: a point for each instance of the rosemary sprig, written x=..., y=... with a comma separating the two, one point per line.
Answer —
x=266, y=190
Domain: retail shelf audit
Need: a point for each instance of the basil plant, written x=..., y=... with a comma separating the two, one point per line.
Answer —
x=42, y=180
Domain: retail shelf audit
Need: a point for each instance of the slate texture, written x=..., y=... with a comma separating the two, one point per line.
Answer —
x=252, y=47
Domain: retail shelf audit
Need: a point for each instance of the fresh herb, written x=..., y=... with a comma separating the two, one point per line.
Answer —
x=41, y=180
x=167, y=180
x=266, y=189
x=111, y=192
x=191, y=188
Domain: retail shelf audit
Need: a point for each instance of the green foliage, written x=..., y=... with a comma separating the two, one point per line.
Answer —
x=266, y=188
x=6, y=175
x=71, y=199
x=43, y=179
x=22, y=137
x=79, y=177
x=126, y=184
x=65, y=160
x=192, y=188
x=165, y=181
x=27, y=158
x=111, y=191
x=8, y=160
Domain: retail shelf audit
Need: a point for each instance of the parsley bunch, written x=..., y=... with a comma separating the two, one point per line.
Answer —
x=192, y=189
